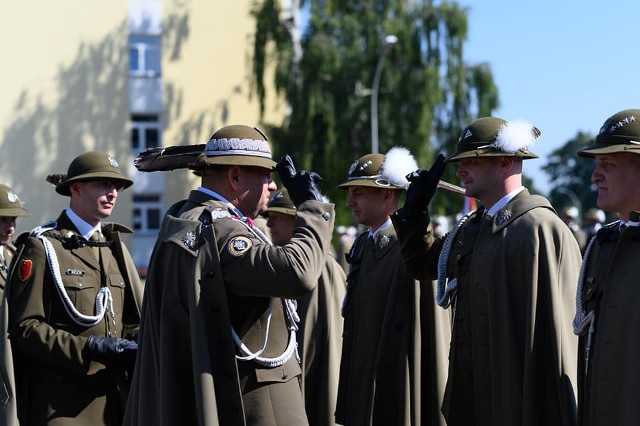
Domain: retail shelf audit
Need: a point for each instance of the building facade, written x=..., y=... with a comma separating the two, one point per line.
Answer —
x=120, y=77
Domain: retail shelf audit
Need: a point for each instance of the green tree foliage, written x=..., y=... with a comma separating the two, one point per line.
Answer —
x=428, y=93
x=571, y=175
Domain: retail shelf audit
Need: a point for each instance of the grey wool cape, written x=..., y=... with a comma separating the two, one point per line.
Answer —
x=513, y=354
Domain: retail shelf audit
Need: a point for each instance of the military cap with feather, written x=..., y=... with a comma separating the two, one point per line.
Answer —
x=236, y=144
x=382, y=171
x=619, y=133
x=91, y=165
x=495, y=137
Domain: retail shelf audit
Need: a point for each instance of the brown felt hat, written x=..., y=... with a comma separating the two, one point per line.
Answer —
x=91, y=165
x=619, y=133
x=10, y=204
x=280, y=202
x=236, y=145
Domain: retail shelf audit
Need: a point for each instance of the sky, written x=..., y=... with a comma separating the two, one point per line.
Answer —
x=563, y=65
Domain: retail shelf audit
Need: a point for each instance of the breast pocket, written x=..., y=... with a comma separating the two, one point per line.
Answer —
x=82, y=293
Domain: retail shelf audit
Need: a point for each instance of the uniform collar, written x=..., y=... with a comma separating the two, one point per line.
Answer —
x=502, y=202
x=83, y=227
x=382, y=227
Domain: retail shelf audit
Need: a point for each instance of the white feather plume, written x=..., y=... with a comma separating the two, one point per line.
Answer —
x=515, y=135
x=398, y=163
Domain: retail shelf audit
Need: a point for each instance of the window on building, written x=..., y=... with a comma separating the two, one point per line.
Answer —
x=145, y=132
x=147, y=212
x=144, y=55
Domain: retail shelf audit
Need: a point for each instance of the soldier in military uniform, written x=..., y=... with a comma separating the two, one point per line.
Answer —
x=218, y=334
x=607, y=317
x=508, y=271
x=10, y=209
x=74, y=300
x=320, y=333
x=391, y=347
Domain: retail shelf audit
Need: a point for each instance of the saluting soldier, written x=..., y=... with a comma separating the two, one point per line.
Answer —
x=607, y=317
x=320, y=333
x=218, y=333
x=391, y=350
x=74, y=300
x=508, y=272
x=10, y=209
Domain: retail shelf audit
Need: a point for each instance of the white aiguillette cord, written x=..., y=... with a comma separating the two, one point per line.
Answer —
x=290, y=307
x=104, y=300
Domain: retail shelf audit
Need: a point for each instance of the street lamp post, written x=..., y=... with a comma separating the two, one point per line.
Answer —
x=389, y=42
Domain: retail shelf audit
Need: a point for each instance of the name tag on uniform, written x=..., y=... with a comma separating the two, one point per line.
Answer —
x=75, y=272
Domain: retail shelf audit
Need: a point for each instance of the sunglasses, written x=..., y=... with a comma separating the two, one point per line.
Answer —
x=107, y=184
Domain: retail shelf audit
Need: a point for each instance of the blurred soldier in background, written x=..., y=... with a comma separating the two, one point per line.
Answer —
x=569, y=216
x=593, y=220
x=320, y=328
x=10, y=209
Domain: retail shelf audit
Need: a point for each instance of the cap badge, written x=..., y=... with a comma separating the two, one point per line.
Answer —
x=503, y=216
x=352, y=167
x=467, y=134
x=112, y=161
x=12, y=196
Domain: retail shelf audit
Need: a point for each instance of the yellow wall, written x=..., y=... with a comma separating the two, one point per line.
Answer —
x=63, y=82
x=207, y=51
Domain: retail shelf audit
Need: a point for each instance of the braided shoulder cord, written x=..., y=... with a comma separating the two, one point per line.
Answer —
x=446, y=289
x=104, y=300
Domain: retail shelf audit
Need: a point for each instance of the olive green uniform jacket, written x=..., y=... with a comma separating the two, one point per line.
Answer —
x=609, y=388
x=320, y=343
x=209, y=273
x=55, y=384
x=513, y=354
x=390, y=352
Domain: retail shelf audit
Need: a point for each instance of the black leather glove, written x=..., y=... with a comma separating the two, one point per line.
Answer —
x=302, y=185
x=110, y=351
x=422, y=189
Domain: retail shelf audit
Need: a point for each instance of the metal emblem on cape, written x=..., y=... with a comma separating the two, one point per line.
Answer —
x=384, y=241
x=24, y=270
x=238, y=246
x=189, y=240
x=503, y=216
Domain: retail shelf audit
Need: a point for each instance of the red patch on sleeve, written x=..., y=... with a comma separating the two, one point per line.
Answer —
x=24, y=271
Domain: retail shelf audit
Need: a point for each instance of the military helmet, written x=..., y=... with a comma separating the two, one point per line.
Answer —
x=382, y=171
x=236, y=145
x=10, y=204
x=91, y=165
x=619, y=133
x=495, y=137
x=280, y=202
